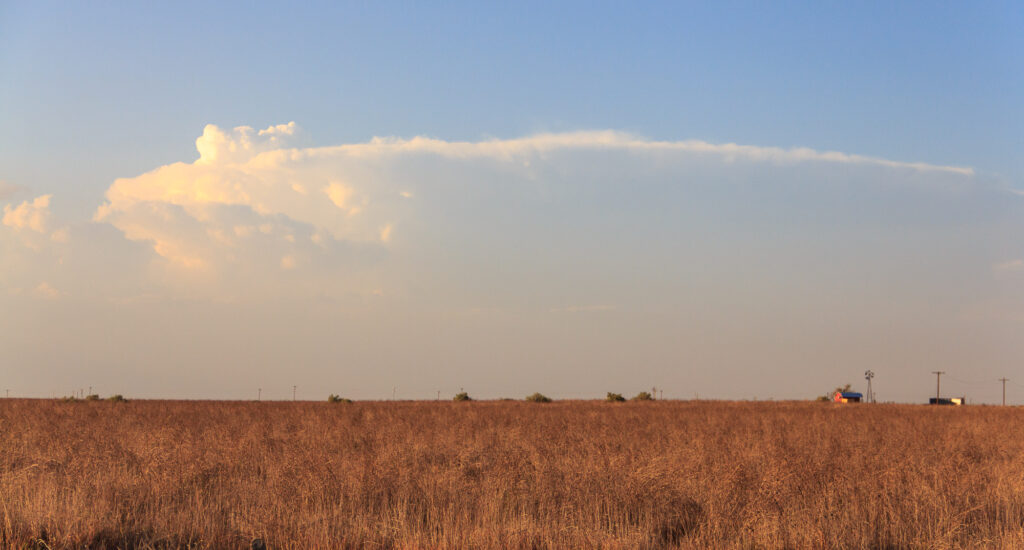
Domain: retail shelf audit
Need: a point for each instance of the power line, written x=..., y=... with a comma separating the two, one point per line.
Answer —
x=980, y=382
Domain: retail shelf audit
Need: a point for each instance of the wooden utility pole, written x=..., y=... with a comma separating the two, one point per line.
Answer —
x=259, y=394
x=938, y=375
x=1003, y=380
x=294, y=388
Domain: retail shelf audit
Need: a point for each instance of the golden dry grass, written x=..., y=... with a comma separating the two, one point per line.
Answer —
x=162, y=474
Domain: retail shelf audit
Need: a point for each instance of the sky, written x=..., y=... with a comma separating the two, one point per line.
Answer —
x=720, y=200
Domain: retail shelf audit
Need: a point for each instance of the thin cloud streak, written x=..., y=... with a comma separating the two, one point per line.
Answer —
x=509, y=149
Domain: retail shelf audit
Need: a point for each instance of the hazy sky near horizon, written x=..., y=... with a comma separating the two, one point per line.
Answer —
x=733, y=201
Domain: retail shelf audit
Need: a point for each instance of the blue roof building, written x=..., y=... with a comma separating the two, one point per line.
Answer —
x=848, y=397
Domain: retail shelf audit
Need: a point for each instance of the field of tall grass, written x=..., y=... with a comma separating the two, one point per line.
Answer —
x=580, y=474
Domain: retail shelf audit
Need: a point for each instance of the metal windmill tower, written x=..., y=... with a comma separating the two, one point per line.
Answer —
x=868, y=375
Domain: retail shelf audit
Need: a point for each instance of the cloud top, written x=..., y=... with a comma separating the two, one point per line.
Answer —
x=508, y=149
x=240, y=144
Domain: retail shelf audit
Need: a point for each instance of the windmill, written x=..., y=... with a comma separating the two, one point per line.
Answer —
x=868, y=375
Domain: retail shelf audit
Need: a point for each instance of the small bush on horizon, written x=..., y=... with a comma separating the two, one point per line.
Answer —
x=830, y=395
x=538, y=398
x=614, y=397
x=116, y=398
x=643, y=396
x=69, y=399
x=462, y=396
x=337, y=399
x=92, y=397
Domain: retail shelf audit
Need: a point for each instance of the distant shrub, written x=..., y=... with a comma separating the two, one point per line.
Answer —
x=614, y=397
x=643, y=396
x=69, y=399
x=538, y=398
x=462, y=396
x=337, y=399
x=92, y=397
x=830, y=395
x=116, y=398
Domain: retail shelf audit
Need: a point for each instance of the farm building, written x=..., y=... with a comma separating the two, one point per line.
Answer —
x=847, y=397
x=947, y=401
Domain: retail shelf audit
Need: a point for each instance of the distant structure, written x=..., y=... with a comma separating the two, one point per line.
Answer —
x=947, y=401
x=847, y=397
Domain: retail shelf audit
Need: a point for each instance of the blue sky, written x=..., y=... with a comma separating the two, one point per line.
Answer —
x=90, y=93
x=927, y=82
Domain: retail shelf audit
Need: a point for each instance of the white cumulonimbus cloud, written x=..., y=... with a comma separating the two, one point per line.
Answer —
x=253, y=211
x=247, y=188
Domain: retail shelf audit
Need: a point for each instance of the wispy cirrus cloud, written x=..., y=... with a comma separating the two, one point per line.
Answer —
x=595, y=140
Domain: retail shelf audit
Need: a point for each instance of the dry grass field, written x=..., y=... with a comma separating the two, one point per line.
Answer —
x=166, y=474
